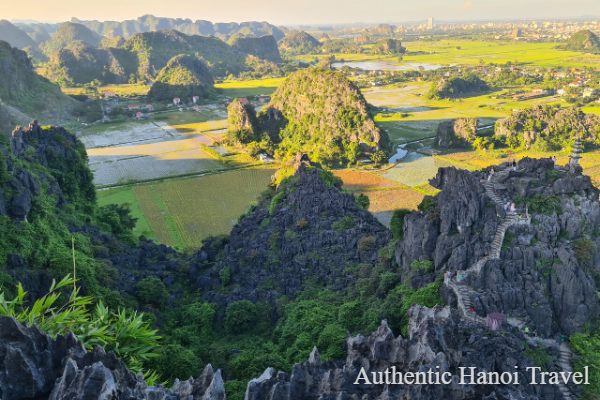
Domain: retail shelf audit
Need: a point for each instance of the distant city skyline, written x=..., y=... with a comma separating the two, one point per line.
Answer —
x=307, y=12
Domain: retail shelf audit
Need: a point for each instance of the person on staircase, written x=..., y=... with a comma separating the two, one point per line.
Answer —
x=514, y=165
x=491, y=175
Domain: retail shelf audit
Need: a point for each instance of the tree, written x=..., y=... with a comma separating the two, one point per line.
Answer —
x=152, y=291
x=240, y=316
x=378, y=157
x=397, y=223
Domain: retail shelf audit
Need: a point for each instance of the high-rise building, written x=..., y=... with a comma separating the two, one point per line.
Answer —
x=430, y=23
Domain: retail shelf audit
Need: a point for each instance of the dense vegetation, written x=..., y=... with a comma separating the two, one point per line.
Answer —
x=547, y=127
x=318, y=112
x=183, y=76
x=127, y=273
x=458, y=86
x=81, y=64
x=264, y=47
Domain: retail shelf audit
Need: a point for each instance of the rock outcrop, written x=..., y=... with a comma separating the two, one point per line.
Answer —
x=36, y=366
x=546, y=272
x=299, y=42
x=438, y=340
x=457, y=132
x=551, y=124
x=585, y=40
x=306, y=229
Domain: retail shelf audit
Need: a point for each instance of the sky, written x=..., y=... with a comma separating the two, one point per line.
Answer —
x=296, y=12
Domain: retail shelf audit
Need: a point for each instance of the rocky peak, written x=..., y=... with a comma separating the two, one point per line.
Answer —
x=537, y=264
x=307, y=228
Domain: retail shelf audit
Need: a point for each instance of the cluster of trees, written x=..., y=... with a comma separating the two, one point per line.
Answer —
x=458, y=86
x=547, y=127
x=541, y=128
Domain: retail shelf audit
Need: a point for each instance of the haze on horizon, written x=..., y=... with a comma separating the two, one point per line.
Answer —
x=294, y=12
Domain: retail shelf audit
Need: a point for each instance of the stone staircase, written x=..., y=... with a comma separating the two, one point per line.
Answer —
x=465, y=294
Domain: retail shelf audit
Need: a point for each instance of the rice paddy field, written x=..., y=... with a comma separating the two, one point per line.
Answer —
x=252, y=87
x=182, y=212
x=385, y=195
x=471, y=52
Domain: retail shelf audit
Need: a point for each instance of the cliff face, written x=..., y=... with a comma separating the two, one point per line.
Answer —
x=306, y=230
x=28, y=92
x=543, y=272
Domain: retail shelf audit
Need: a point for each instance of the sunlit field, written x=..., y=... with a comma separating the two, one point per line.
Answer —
x=183, y=212
x=253, y=87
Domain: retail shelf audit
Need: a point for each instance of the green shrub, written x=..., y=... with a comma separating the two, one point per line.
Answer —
x=422, y=265
x=240, y=316
x=539, y=357
x=343, y=224
x=275, y=201
x=587, y=348
x=126, y=333
x=331, y=342
x=176, y=361
x=428, y=204
x=367, y=244
x=225, y=276
x=539, y=204
x=584, y=252
x=363, y=201
x=397, y=223
x=388, y=280
x=152, y=291
x=350, y=315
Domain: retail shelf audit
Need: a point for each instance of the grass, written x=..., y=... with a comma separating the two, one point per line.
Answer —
x=252, y=87
x=183, y=212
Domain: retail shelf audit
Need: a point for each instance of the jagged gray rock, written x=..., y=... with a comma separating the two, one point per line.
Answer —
x=545, y=271
x=34, y=366
x=439, y=339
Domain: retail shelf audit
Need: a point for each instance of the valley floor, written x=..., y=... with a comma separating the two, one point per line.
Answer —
x=183, y=186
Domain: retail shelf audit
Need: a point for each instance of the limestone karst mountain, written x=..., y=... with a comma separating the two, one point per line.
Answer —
x=585, y=40
x=185, y=77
